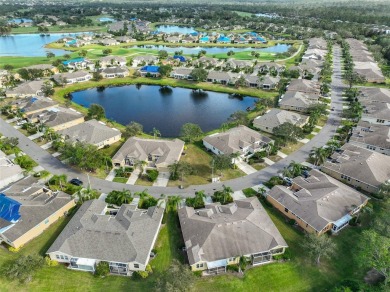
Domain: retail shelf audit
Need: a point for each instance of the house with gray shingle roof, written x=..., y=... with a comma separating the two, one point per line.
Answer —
x=124, y=240
x=108, y=61
x=34, y=105
x=304, y=85
x=9, y=172
x=38, y=208
x=234, y=64
x=222, y=77
x=317, y=203
x=112, y=72
x=144, y=59
x=241, y=140
x=368, y=94
x=181, y=73
x=374, y=137
x=359, y=167
x=298, y=101
x=376, y=112
x=91, y=132
x=276, y=117
x=218, y=235
x=156, y=153
x=72, y=77
x=26, y=89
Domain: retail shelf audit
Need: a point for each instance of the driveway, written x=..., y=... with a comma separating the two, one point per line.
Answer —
x=54, y=166
x=162, y=179
x=245, y=167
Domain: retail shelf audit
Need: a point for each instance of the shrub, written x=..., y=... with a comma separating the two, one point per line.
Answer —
x=233, y=268
x=50, y=262
x=152, y=174
x=141, y=274
x=198, y=274
x=149, y=269
x=102, y=269
x=25, y=162
x=13, y=249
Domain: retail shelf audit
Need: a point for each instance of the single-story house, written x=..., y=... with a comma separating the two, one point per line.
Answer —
x=234, y=64
x=374, y=94
x=371, y=136
x=370, y=71
x=72, y=77
x=276, y=117
x=224, y=78
x=208, y=61
x=376, y=112
x=241, y=140
x=262, y=82
x=28, y=209
x=91, y=132
x=157, y=153
x=317, y=43
x=46, y=68
x=182, y=73
x=359, y=167
x=26, y=89
x=145, y=59
x=109, y=61
x=219, y=235
x=112, y=72
x=79, y=64
x=298, y=101
x=304, y=85
x=9, y=172
x=318, y=203
x=124, y=240
x=34, y=105
x=108, y=42
x=150, y=70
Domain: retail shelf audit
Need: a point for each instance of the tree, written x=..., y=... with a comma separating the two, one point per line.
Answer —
x=119, y=197
x=384, y=189
x=288, y=132
x=224, y=196
x=102, y=269
x=47, y=88
x=96, y=76
x=50, y=55
x=190, y=132
x=239, y=118
x=133, y=129
x=23, y=268
x=199, y=74
x=240, y=82
x=86, y=194
x=374, y=252
x=107, y=51
x=96, y=111
x=165, y=70
x=295, y=168
x=83, y=53
x=162, y=54
x=318, y=154
x=318, y=246
x=197, y=201
x=221, y=162
x=353, y=78
x=177, y=277
x=156, y=133
x=174, y=202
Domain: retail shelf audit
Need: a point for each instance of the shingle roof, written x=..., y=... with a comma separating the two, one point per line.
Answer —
x=70, y=75
x=91, y=132
x=304, y=85
x=374, y=94
x=115, y=70
x=377, y=110
x=220, y=232
x=371, y=134
x=127, y=237
x=27, y=88
x=8, y=170
x=57, y=116
x=231, y=141
x=299, y=99
x=36, y=104
x=276, y=117
x=318, y=199
x=362, y=164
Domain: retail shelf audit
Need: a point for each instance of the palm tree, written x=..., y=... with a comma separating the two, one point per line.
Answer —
x=295, y=168
x=234, y=156
x=143, y=195
x=174, y=202
x=261, y=191
x=226, y=193
x=156, y=133
x=85, y=194
x=319, y=155
x=365, y=210
x=124, y=197
x=199, y=198
x=287, y=172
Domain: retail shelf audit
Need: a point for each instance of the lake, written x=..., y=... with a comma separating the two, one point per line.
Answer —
x=30, y=45
x=20, y=20
x=175, y=28
x=279, y=48
x=165, y=109
x=105, y=19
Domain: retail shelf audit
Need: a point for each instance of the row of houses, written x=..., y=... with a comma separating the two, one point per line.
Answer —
x=364, y=62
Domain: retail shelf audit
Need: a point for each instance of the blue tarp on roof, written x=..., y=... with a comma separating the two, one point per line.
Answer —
x=73, y=61
x=223, y=39
x=180, y=58
x=9, y=209
x=150, y=69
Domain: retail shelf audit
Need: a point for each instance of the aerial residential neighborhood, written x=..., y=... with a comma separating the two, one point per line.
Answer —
x=206, y=146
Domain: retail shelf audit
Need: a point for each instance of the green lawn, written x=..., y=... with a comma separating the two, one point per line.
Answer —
x=59, y=29
x=122, y=180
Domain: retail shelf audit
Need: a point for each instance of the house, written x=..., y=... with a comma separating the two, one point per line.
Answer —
x=9, y=172
x=276, y=117
x=219, y=235
x=173, y=39
x=156, y=153
x=374, y=94
x=241, y=140
x=314, y=54
x=359, y=167
x=28, y=209
x=108, y=42
x=72, y=77
x=150, y=71
x=262, y=82
x=237, y=64
x=112, y=72
x=207, y=61
x=318, y=203
x=223, y=40
x=109, y=61
x=376, y=112
x=182, y=73
x=79, y=64
x=91, y=132
x=34, y=105
x=305, y=86
x=26, y=89
x=124, y=240
x=224, y=78
x=46, y=68
x=204, y=39
x=317, y=43
x=144, y=60
x=370, y=71
x=57, y=118
x=268, y=66
x=298, y=101
x=179, y=58
x=125, y=39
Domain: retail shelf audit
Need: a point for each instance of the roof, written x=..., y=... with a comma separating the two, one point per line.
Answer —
x=304, y=85
x=362, y=164
x=233, y=140
x=371, y=134
x=377, y=110
x=27, y=88
x=9, y=209
x=124, y=238
x=146, y=58
x=41, y=67
x=8, y=170
x=36, y=104
x=220, y=232
x=75, y=60
x=150, y=69
x=182, y=71
x=57, y=116
x=374, y=94
x=115, y=70
x=107, y=59
x=36, y=204
x=70, y=75
x=220, y=75
x=169, y=151
x=91, y=132
x=318, y=199
x=299, y=99
x=180, y=58
x=276, y=117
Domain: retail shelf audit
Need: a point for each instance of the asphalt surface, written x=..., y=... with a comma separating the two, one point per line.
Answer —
x=53, y=165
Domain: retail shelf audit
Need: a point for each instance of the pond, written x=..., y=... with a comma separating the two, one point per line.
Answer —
x=20, y=20
x=175, y=28
x=30, y=45
x=166, y=109
x=105, y=19
x=279, y=48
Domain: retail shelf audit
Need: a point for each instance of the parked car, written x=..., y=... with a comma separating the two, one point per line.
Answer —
x=76, y=182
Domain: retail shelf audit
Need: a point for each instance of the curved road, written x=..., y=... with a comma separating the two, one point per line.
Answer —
x=47, y=161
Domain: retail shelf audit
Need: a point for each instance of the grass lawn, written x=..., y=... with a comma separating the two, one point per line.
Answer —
x=310, y=136
x=122, y=180
x=291, y=147
x=142, y=181
x=259, y=166
x=110, y=151
x=275, y=158
x=58, y=29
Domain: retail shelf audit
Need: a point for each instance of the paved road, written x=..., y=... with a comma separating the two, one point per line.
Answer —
x=53, y=165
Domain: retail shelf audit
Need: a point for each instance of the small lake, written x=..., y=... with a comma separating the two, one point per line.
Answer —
x=105, y=19
x=165, y=109
x=20, y=20
x=175, y=28
x=30, y=45
x=279, y=48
